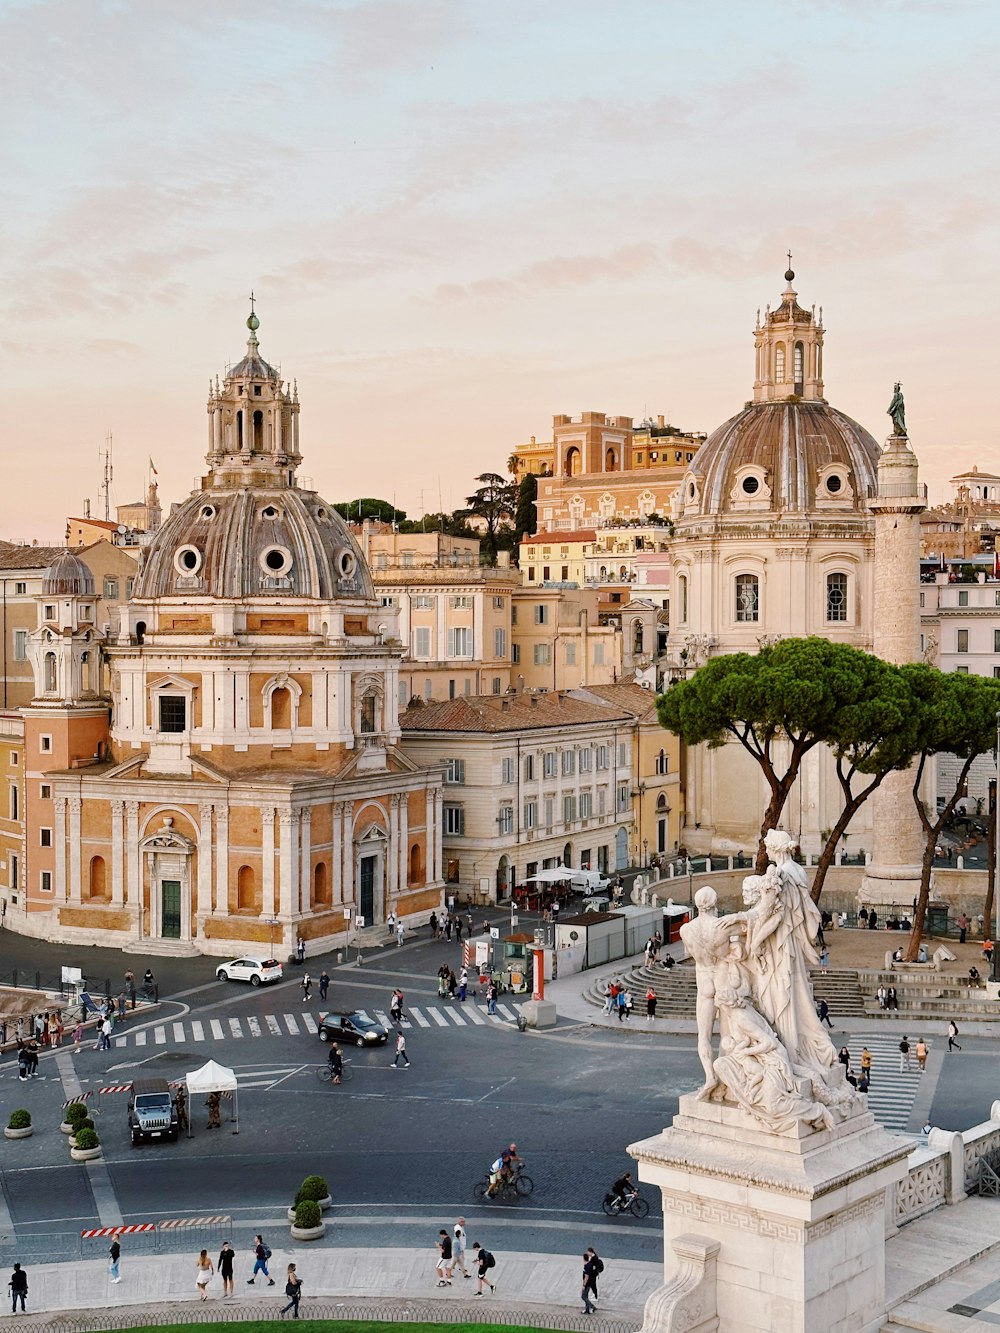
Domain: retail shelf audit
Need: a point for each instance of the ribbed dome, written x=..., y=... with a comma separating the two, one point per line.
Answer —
x=68, y=576
x=265, y=541
x=783, y=457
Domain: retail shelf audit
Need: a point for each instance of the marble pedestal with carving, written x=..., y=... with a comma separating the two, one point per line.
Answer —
x=770, y=1232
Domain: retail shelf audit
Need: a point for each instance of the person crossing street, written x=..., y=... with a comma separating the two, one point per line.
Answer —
x=401, y=1051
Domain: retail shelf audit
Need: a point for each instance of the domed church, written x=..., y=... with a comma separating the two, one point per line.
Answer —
x=244, y=786
x=774, y=539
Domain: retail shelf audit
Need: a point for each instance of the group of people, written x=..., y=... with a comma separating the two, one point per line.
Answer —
x=860, y=1081
x=456, y=987
x=442, y=927
x=451, y=1248
x=618, y=1000
x=324, y=986
x=887, y=997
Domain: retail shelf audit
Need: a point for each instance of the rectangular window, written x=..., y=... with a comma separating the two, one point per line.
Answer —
x=623, y=798
x=20, y=645
x=622, y=754
x=546, y=573
x=963, y=598
x=513, y=612
x=45, y=792
x=598, y=654
x=602, y=756
x=543, y=654
x=460, y=603
x=453, y=873
x=428, y=688
x=996, y=640
x=496, y=684
x=50, y=612
x=996, y=673
x=961, y=671
x=388, y=601
x=20, y=589
x=568, y=763
x=499, y=643
x=422, y=603
x=45, y=881
x=507, y=773
x=747, y=598
x=586, y=760
x=86, y=613
x=15, y=872
x=586, y=804
x=173, y=713
x=529, y=768
x=602, y=800
x=407, y=559
x=404, y=695
x=110, y=589
x=570, y=653
x=541, y=614
x=422, y=642
x=963, y=641
x=506, y=820
x=548, y=811
x=531, y=575
x=15, y=801
x=45, y=744
x=550, y=763
x=460, y=642
x=515, y=654
x=565, y=573
x=569, y=809
x=13, y=759
x=45, y=837
x=129, y=585
x=454, y=820
x=454, y=772
x=530, y=814
x=499, y=603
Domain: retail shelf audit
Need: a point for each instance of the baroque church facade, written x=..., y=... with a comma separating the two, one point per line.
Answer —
x=243, y=786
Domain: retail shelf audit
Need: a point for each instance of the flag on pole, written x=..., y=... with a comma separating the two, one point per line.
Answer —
x=152, y=468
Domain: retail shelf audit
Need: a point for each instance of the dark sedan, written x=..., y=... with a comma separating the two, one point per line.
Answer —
x=353, y=1027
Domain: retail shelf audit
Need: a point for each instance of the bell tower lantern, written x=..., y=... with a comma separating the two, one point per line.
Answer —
x=789, y=344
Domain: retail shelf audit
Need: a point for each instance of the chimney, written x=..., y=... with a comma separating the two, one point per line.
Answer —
x=660, y=422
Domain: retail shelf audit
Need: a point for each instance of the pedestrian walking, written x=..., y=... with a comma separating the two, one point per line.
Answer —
x=433, y=923
x=400, y=1051
x=824, y=1014
x=866, y=1065
x=293, y=1290
x=114, y=1259
x=104, y=1040
x=491, y=998
x=598, y=1268
x=844, y=1056
x=463, y=984
x=485, y=1261
x=444, y=1259
x=262, y=1253
x=447, y=927
x=396, y=1007
x=18, y=1287
x=953, y=1036
x=650, y=1005
x=588, y=1273
x=78, y=1034
x=400, y=934
x=204, y=1270
x=921, y=1050
x=904, y=1056
x=458, y=1248
x=307, y=985
x=227, y=1257
x=122, y=1003
x=620, y=1002
x=609, y=997
x=628, y=1004
x=324, y=984
x=458, y=930
x=988, y=950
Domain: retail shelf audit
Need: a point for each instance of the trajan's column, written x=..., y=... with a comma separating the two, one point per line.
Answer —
x=894, y=874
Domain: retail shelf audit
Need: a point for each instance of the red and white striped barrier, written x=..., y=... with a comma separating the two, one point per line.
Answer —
x=84, y=1096
x=118, y=1231
x=174, y=1223
x=115, y=1087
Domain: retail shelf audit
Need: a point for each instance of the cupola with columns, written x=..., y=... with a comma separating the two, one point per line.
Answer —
x=789, y=343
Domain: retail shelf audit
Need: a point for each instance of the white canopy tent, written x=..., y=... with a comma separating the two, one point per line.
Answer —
x=212, y=1077
x=555, y=875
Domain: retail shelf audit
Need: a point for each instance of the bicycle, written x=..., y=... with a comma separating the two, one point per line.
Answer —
x=614, y=1205
x=325, y=1074
x=518, y=1186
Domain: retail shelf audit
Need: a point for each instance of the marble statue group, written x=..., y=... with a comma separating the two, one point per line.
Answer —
x=775, y=1059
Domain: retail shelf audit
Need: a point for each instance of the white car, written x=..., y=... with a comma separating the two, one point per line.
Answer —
x=254, y=970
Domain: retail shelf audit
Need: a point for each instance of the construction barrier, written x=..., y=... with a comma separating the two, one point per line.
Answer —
x=118, y=1231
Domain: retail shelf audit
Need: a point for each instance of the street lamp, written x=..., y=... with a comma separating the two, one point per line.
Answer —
x=690, y=875
x=645, y=858
x=271, y=922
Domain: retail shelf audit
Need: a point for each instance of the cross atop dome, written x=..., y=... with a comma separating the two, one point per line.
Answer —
x=789, y=346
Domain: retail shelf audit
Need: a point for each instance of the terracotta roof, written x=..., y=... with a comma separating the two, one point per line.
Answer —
x=626, y=695
x=13, y=556
x=94, y=523
x=580, y=535
x=510, y=712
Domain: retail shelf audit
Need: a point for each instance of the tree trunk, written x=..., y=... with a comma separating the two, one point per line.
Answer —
x=828, y=853
x=991, y=873
x=920, y=912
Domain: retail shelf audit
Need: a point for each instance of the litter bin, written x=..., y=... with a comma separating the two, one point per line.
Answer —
x=937, y=919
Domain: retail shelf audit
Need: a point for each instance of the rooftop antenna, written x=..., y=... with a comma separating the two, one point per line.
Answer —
x=107, y=473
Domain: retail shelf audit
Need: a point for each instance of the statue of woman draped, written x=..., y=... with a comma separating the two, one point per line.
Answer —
x=897, y=411
x=782, y=925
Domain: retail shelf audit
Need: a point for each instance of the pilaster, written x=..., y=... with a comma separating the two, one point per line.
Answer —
x=60, y=839
x=117, y=854
x=204, y=864
x=75, y=805
x=287, y=864
x=305, y=861
x=221, y=902
x=267, y=861
x=133, y=864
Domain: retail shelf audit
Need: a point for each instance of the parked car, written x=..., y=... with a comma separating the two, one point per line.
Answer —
x=353, y=1027
x=254, y=970
x=152, y=1112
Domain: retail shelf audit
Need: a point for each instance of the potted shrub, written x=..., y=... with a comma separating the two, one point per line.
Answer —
x=88, y=1146
x=314, y=1188
x=86, y=1123
x=74, y=1113
x=19, y=1125
x=308, y=1223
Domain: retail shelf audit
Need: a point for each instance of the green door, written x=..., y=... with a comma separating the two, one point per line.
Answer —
x=170, y=909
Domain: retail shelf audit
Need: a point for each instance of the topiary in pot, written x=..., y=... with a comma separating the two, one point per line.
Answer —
x=87, y=1139
x=86, y=1123
x=19, y=1120
x=314, y=1188
x=75, y=1112
x=307, y=1215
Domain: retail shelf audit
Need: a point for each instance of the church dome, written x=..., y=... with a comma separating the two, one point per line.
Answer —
x=789, y=457
x=251, y=531
x=68, y=576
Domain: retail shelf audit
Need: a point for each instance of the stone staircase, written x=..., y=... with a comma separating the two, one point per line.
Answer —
x=841, y=989
x=675, y=988
x=928, y=995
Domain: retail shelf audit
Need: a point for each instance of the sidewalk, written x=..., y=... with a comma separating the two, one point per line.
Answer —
x=336, y=1284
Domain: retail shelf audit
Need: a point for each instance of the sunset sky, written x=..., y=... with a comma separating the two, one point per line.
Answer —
x=460, y=217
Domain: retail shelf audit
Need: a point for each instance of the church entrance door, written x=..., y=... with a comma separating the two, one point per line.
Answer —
x=170, y=909
x=366, y=890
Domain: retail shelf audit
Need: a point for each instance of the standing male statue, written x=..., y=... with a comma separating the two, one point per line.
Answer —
x=897, y=411
x=706, y=939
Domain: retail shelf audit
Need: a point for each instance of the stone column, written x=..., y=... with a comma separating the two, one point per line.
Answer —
x=60, y=849
x=347, y=850
x=392, y=850
x=204, y=864
x=305, y=861
x=438, y=833
x=117, y=850
x=404, y=840
x=74, y=849
x=288, y=863
x=133, y=862
x=221, y=897
x=338, y=854
x=897, y=838
x=267, y=861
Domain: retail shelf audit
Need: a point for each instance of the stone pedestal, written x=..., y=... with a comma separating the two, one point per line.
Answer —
x=799, y=1221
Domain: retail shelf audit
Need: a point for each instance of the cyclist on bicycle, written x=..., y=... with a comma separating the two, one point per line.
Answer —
x=503, y=1170
x=623, y=1189
x=336, y=1059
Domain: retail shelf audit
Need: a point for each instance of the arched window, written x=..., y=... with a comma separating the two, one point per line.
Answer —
x=239, y=430
x=567, y=856
x=661, y=801
x=140, y=631
x=98, y=877
x=85, y=672
x=246, y=888
x=637, y=638
x=258, y=430
x=836, y=597
x=49, y=674
x=779, y=363
x=281, y=709
x=610, y=460
x=747, y=597
x=415, y=874
x=574, y=462
x=321, y=885
x=799, y=366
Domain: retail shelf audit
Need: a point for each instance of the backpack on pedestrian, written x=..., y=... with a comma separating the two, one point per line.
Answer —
x=267, y=1253
x=486, y=1259
x=598, y=1265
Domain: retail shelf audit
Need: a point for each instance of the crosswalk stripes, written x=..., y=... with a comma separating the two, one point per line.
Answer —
x=281, y=1025
x=891, y=1090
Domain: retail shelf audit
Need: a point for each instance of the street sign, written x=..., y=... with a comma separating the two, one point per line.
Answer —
x=72, y=976
x=494, y=933
x=347, y=914
x=359, y=921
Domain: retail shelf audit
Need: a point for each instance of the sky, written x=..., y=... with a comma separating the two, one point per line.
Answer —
x=460, y=217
